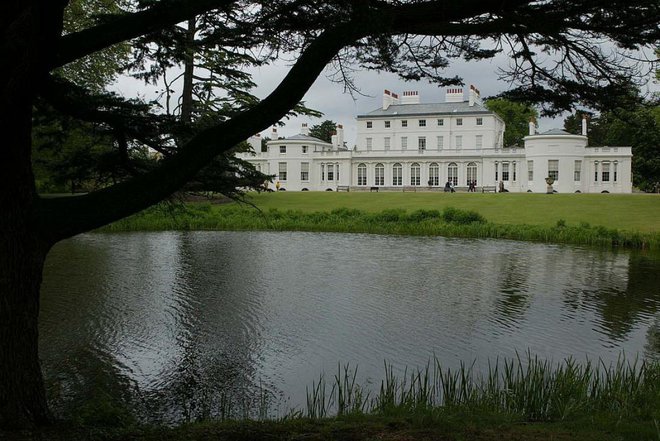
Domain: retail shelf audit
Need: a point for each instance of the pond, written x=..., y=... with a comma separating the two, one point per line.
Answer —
x=178, y=324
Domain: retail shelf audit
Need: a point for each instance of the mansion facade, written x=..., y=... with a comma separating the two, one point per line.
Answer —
x=407, y=145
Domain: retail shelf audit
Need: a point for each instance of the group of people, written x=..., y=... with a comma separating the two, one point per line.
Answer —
x=449, y=186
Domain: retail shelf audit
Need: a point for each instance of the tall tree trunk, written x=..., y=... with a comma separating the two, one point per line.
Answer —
x=188, y=72
x=28, y=29
x=22, y=393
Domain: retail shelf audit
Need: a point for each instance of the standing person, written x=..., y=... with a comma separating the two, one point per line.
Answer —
x=451, y=186
x=447, y=187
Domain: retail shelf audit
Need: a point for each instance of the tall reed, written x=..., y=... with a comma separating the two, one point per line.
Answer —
x=526, y=387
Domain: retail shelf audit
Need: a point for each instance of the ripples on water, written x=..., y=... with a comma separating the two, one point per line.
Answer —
x=188, y=324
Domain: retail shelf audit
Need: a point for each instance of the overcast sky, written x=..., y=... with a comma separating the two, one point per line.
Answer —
x=329, y=97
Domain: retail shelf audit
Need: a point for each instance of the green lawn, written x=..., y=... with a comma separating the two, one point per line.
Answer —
x=631, y=212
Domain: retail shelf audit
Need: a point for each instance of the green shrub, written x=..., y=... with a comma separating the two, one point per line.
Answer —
x=389, y=215
x=420, y=215
x=456, y=216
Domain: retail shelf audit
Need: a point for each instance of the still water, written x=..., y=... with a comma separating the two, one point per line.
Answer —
x=180, y=324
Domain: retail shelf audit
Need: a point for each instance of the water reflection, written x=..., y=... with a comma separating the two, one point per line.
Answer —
x=190, y=325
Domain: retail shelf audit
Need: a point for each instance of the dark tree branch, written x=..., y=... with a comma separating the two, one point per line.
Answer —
x=64, y=217
x=128, y=26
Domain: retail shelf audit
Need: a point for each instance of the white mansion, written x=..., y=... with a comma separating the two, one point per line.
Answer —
x=412, y=146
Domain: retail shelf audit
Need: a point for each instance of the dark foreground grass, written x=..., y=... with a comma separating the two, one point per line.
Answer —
x=521, y=399
x=450, y=222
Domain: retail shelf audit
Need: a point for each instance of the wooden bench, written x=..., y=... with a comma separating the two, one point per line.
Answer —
x=374, y=189
x=345, y=188
x=489, y=188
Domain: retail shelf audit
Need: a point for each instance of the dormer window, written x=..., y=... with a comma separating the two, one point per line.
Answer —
x=422, y=123
x=404, y=123
x=441, y=122
x=304, y=149
x=370, y=124
x=459, y=121
x=480, y=121
x=282, y=149
x=387, y=124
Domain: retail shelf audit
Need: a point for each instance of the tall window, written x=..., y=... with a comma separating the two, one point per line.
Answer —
x=304, y=171
x=480, y=121
x=553, y=169
x=616, y=167
x=596, y=171
x=606, y=172
x=362, y=174
x=422, y=123
x=387, y=143
x=369, y=124
x=452, y=173
x=441, y=142
x=337, y=171
x=577, y=172
x=441, y=122
x=331, y=172
x=414, y=173
x=480, y=141
x=379, y=177
x=323, y=172
x=515, y=171
x=404, y=142
x=459, y=142
x=387, y=124
x=459, y=121
x=434, y=174
x=421, y=143
x=370, y=142
x=471, y=173
x=505, y=171
x=282, y=171
x=404, y=123
x=397, y=174
x=282, y=149
x=530, y=171
x=497, y=172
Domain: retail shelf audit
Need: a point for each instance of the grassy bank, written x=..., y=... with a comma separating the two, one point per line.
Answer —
x=450, y=221
x=520, y=399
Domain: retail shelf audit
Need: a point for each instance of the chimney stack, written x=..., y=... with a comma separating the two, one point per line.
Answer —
x=410, y=97
x=532, y=127
x=475, y=96
x=340, y=136
x=454, y=95
x=273, y=133
x=584, y=125
x=304, y=130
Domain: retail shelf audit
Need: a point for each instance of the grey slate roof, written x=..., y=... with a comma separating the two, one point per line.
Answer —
x=301, y=137
x=555, y=132
x=426, y=109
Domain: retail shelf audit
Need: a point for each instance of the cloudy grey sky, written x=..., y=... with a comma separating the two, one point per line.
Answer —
x=329, y=97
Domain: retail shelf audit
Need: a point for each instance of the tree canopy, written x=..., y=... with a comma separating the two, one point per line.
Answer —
x=324, y=131
x=516, y=116
x=556, y=58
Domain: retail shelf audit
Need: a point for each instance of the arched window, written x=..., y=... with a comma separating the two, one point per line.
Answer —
x=362, y=174
x=414, y=174
x=397, y=174
x=379, y=177
x=434, y=174
x=452, y=173
x=471, y=173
